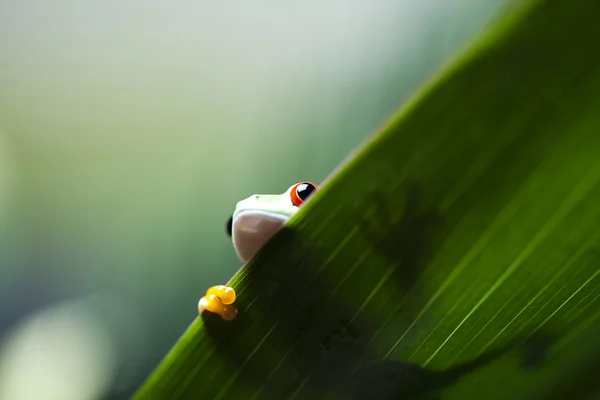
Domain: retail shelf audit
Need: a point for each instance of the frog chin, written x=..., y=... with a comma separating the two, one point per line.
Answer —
x=252, y=229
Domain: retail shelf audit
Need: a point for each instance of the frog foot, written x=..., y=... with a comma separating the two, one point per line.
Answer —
x=219, y=300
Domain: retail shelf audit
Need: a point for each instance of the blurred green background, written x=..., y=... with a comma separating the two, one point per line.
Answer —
x=129, y=130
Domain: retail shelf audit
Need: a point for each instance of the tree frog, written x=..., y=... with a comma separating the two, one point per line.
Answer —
x=254, y=222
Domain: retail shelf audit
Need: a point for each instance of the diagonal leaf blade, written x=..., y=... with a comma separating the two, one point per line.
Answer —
x=457, y=254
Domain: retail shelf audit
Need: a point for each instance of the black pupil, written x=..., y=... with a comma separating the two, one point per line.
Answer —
x=229, y=226
x=304, y=190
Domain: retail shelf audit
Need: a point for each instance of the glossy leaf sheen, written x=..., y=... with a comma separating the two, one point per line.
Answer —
x=455, y=256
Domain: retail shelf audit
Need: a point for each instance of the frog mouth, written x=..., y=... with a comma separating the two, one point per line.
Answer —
x=254, y=221
x=252, y=229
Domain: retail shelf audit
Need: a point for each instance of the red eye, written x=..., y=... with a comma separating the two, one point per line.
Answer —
x=301, y=191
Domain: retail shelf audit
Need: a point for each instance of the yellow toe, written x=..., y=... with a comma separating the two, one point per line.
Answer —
x=213, y=303
x=225, y=293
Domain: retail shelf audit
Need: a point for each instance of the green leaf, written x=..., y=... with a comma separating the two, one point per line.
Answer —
x=455, y=256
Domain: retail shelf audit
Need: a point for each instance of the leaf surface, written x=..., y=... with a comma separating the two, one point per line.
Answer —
x=456, y=255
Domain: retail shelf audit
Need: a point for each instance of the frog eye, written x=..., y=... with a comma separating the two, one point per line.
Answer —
x=229, y=226
x=301, y=191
